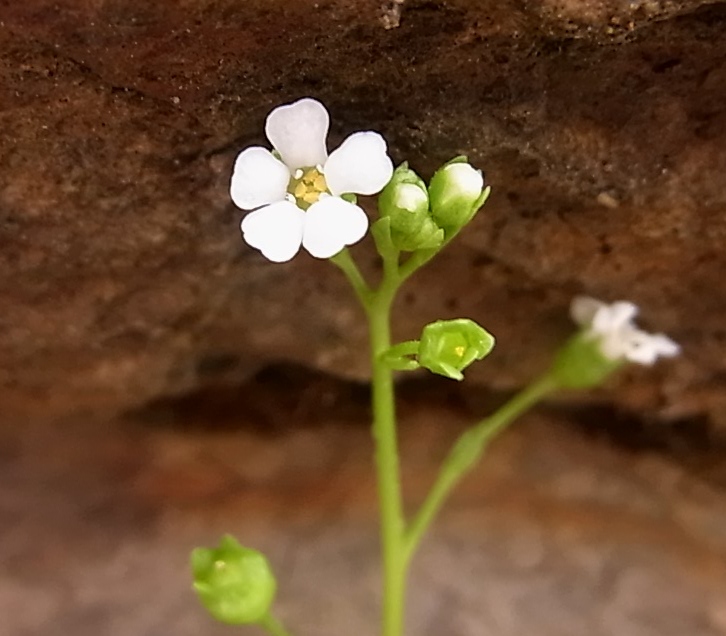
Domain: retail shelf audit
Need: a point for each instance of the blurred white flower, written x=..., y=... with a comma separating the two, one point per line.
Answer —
x=295, y=192
x=618, y=338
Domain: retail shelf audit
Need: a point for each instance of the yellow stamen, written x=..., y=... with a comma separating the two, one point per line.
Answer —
x=300, y=190
x=319, y=183
x=307, y=186
x=459, y=351
x=310, y=197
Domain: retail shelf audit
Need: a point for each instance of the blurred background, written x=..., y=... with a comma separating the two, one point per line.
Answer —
x=161, y=383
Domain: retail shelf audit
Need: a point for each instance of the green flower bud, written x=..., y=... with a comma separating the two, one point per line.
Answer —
x=406, y=203
x=580, y=363
x=447, y=347
x=456, y=193
x=234, y=583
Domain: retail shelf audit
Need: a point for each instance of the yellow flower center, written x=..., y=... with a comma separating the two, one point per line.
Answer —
x=307, y=186
x=459, y=351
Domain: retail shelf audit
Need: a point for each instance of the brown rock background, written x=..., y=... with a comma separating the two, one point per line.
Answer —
x=601, y=126
x=556, y=533
x=142, y=406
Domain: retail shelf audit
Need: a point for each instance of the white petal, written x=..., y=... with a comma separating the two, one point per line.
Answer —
x=464, y=179
x=622, y=313
x=615, y=345
x=276, y=230
x=645, y=348
x=298, y=132
x=640, y=349
x=410, y=197
x=359, y=165
x=331, y=224
x=258, y=179
x=583, y=309
x=614, y=317
x=667, y=348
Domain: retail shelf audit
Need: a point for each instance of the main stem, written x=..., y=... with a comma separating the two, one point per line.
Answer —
x=387, y=465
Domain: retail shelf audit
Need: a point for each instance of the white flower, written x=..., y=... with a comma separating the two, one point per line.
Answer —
x=296, y=192
x=612, y=326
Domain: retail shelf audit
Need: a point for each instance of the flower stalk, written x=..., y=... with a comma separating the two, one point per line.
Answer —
x=386, y=455
x=398, y=541
x=466, y=453
x=387, y=466
x=273, y=626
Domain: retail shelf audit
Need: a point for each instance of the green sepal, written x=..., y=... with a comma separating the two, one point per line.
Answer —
x=482, y=199
x=381, y=231
x=433, y=240
x=428, y=237
x=405, y=202
x=447, y=347
x=479, y=203
x=456, y=192
x=349, y=197
x=457, y=159
x=580, y=363
x=201, y=561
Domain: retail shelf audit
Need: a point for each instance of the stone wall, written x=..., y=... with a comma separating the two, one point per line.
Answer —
x=601, y=126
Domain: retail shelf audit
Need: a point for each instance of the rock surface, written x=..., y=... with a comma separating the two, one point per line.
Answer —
x=600, y=124
x=125, y=288
x=558, y=533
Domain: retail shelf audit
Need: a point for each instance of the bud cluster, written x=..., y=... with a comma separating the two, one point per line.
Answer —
x=423, y=218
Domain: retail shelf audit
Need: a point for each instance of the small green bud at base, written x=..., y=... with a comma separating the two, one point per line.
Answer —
x=454, y=193
x=429, y=237
x=234, y=583
x=447, y=347
x=406, y=203
x=580, y=364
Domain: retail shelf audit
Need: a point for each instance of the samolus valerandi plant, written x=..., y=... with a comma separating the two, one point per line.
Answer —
x=297, y=196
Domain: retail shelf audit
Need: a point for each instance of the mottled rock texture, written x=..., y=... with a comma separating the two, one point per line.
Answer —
x=600, y=124
x=557, y=534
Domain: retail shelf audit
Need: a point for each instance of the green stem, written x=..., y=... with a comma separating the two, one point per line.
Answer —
x=408, y=348
x=348, y=266
x=273, y=626
x=418, y=259
x=387, y=461
x=466, y=452
x=399, y=543
x=399, y=356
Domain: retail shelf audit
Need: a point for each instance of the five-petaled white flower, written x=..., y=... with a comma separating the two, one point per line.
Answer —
x=618, y=338
x=296, y=191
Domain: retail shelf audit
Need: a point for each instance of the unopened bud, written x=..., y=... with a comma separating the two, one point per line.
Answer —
x=406, y=203
x=447, y=347
x=456, y=193
x=234, y=583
